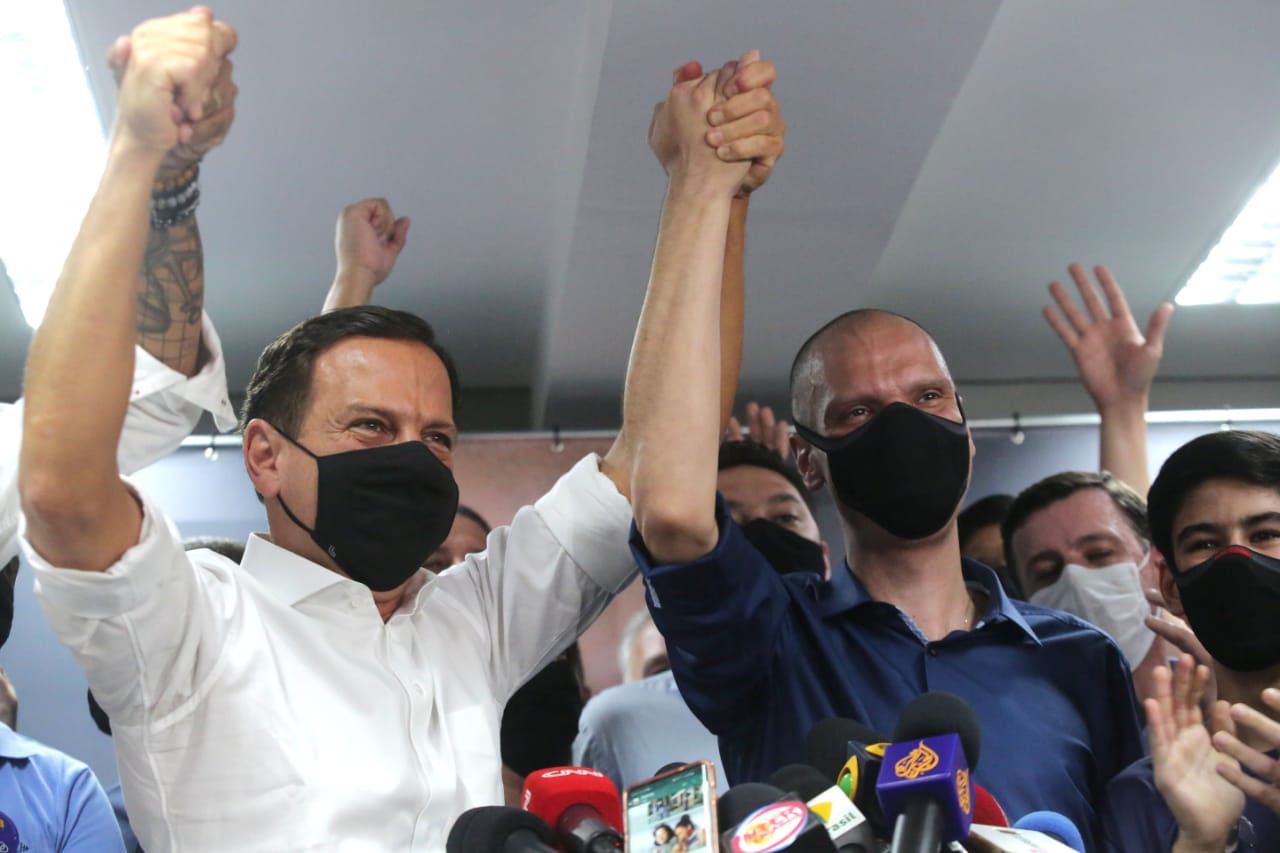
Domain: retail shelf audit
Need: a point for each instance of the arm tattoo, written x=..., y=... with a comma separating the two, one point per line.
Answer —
x=171, y=296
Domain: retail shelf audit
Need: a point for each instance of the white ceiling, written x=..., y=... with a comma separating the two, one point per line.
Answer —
x=945, y=159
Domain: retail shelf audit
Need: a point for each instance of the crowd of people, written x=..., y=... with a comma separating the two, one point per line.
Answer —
x=382, y=660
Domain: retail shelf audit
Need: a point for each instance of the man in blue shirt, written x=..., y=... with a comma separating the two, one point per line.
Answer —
x=48, y=800
x=761, y=658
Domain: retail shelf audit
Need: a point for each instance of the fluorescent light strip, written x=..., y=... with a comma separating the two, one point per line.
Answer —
x=51, y=147
x=1244, y=268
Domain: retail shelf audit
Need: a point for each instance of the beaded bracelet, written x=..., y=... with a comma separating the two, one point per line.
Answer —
x=175, y=201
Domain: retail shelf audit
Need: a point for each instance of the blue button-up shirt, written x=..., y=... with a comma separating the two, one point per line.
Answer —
x=761, y=658
x=50, y=801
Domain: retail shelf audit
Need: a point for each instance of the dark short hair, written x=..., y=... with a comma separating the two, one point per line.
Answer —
x=982, y=513
x=468, y=512
x=232, y=549
x=1059, y=487
x=737, y=453
x=280, y=387
x=1250, y=456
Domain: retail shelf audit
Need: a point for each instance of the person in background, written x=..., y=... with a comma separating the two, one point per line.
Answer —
x=630, y=730
x=980, y=538
x=1215, y=517
x=540, y=722
x=48, y=800
x=467, y=535
x=1078, y=541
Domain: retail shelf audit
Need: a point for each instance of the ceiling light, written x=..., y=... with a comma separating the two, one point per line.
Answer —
x=1244, y=267
x=51, y=147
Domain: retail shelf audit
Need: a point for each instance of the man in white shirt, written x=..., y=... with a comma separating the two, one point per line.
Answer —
x=329, y=693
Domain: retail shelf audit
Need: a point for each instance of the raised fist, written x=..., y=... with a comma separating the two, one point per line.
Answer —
x=176, y=97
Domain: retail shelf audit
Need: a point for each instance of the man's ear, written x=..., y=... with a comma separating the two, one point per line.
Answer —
x=1168, y=587
x=807, y=464
x=262, y=446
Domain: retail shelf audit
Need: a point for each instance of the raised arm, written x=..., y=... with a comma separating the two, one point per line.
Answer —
x=1116, y=363
x=672, y=403
x=170, y=295
x=743, y=126
x=368, y=240
x=79, y=512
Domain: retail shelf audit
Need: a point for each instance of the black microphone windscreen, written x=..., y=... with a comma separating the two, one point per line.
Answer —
x=737, y=803
x=938, y=713
x=807, y=782
x=827, y=746
x=489, y=827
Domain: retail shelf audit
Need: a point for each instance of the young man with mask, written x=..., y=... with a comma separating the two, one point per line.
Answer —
x=1215, y=516
x=328, y=691
x=762, y=658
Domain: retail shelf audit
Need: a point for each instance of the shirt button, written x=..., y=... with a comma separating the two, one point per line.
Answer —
x=353, y=604
x=420, y=690
x=933, y=651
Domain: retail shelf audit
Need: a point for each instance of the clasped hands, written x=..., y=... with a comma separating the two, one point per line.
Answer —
x=722, y=127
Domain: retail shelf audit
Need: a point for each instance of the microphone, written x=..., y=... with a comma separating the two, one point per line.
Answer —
x=848, y=828
x=924, y=783
x=1054, y=825
x=498, y=829
x=986, y=810
x=850, y=753
x=764, y=818
x=581, y=805
x=738, y=802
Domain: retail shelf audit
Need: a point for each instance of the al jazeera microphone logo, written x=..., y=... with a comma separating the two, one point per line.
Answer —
x=916, y=763
x=963, y=794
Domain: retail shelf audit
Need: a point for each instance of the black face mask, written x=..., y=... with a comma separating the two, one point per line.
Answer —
x=787, y=551
x=1232, y=601
x=381, y=511
x=905, y=469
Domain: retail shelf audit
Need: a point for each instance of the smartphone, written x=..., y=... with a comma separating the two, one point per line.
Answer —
x=673, y=812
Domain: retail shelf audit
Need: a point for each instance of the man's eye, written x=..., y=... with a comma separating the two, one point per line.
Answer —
x=441, y=438
x=786, y=519
x=1097, y=558
x=930, y=396
x=371, y=426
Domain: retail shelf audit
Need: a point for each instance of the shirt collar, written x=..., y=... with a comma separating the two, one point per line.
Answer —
x=14, y=745
x=288, y=576
x=844, y=593
x=292, y=578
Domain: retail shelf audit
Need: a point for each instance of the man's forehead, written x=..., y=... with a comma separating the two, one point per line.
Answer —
x=742, y=483
x=380, y=373
x=1087, y=512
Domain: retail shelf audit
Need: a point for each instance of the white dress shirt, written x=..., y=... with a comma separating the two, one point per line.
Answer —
x=164, y=406
x=267, y=707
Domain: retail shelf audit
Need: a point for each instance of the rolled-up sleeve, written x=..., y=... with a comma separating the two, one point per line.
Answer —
x=148, y=631
x=722, y=616
x=164, y=406
x=544, y=579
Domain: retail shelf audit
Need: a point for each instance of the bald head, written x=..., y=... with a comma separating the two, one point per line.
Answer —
x=862, y=353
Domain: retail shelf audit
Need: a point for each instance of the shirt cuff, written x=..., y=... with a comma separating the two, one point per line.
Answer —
x=135, y=578
x=207, y=389
x=589, y=518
